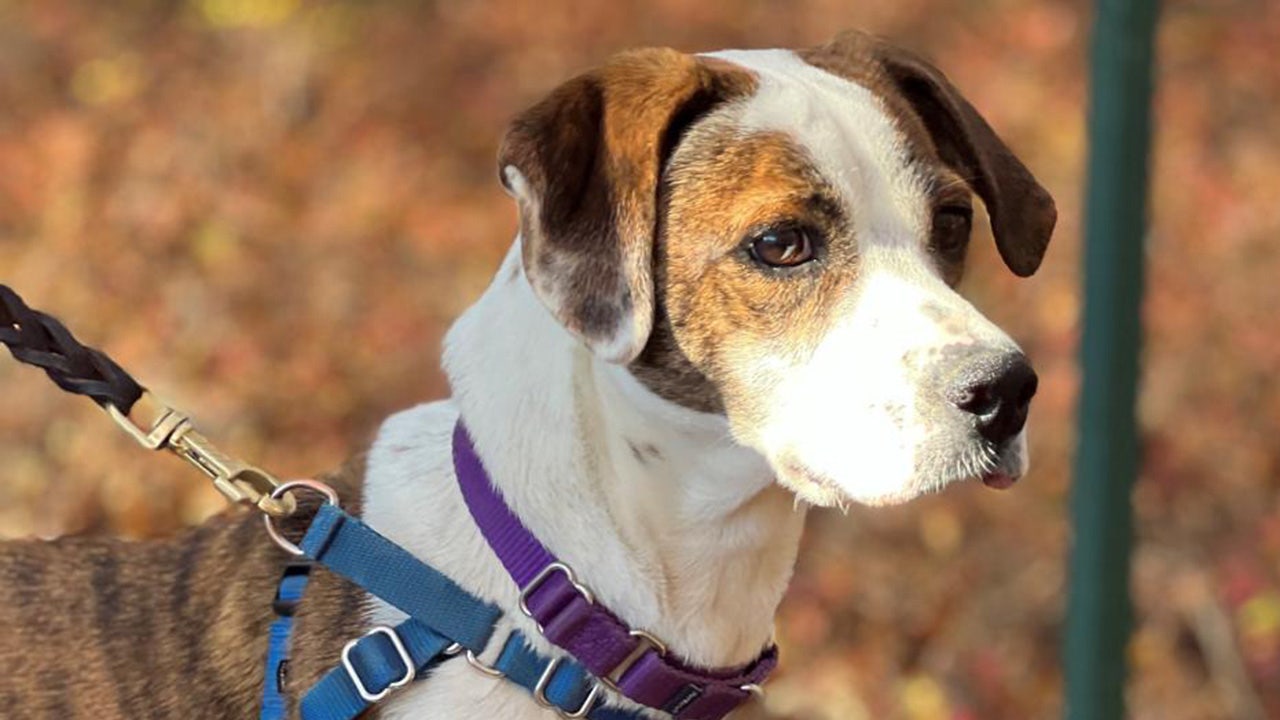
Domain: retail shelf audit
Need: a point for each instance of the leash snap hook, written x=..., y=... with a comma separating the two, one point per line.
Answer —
x=238, y=482
x=156, y=422
x=156, y=426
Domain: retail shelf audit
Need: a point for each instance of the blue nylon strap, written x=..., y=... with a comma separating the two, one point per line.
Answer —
x=567, y=688
x=440, y=613
x=352, y=549
x=378, y=663
x=292, y=586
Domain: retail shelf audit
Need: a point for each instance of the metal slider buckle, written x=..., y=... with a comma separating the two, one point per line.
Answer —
x=540, y=694
x=160, y=427
x=647, y=642
x=541, y=577
x=409, y=671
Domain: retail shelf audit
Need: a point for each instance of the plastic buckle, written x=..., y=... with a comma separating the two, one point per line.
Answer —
x=156, y=426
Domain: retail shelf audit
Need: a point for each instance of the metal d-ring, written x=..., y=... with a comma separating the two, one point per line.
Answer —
x=647, y=641
x=330, y=496
x=474, y=662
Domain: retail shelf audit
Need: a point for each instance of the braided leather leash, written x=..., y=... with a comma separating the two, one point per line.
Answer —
x=38, y=339
x=41, y=340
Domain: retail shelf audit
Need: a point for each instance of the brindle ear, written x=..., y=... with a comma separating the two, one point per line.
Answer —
x=584, y=166
x=1022, y=212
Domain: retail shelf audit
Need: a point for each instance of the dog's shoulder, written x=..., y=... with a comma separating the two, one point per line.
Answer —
x=408, y=448
x=134, y=621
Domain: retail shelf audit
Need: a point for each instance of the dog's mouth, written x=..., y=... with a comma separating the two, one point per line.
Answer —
x=999, y=480
x=1009, y=466
x=999, y=468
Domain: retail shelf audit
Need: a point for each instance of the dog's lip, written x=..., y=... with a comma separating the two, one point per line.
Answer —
x=999, y=480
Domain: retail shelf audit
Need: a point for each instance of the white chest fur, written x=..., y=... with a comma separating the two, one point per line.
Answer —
x=687, y=537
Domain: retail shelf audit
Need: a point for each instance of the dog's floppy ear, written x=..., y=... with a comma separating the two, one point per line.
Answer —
x=1022, y=212
x=584, y=166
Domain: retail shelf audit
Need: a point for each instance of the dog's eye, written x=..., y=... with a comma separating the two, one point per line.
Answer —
x=951, y=226
x=782, y=247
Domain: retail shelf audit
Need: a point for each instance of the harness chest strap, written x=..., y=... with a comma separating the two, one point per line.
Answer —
x=633, y=662
x=293, y=584
x=444, y=621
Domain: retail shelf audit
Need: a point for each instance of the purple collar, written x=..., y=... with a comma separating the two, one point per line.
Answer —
x=633, y=662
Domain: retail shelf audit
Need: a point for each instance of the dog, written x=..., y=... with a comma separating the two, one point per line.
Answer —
x=731, y=297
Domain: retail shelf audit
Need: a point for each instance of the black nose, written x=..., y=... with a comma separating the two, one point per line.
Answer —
x=998, y=392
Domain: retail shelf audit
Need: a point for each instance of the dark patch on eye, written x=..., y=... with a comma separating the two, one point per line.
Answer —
x=950, y=228
x=720, y=187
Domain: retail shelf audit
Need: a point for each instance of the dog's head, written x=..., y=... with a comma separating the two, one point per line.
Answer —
x=776, y=236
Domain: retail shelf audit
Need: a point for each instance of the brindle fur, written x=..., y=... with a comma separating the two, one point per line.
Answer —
x=107, y=629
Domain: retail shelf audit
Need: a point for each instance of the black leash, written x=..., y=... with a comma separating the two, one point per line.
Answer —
x=38, y=339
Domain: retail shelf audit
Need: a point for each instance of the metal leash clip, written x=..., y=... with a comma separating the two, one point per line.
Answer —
x=160, y=427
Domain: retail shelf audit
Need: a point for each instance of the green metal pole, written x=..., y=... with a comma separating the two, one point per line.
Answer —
x=1099, y=615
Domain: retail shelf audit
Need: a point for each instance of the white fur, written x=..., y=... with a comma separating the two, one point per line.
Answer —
x=696, y=542
x=696, y=547
x=876, y=437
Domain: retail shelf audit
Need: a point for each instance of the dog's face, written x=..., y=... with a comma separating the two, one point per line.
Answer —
x=776, y=235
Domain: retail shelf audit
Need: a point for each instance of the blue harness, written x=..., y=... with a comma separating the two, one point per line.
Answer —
x=444, y=621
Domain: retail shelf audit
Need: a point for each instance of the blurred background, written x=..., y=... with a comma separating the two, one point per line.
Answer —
x=270, y=210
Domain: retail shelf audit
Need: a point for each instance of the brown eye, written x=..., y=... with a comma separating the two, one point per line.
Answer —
x=782, y=247
x=951, y=226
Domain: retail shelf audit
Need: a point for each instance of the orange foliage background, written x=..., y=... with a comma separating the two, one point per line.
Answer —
x=270, y=210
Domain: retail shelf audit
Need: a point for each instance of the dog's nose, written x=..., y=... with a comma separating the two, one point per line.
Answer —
x=998, y=394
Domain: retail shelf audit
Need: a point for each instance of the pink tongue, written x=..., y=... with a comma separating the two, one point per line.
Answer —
x=998, y=480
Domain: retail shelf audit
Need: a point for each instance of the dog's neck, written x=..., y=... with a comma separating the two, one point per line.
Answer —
x=674, y=526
